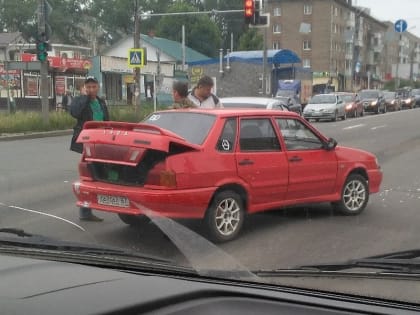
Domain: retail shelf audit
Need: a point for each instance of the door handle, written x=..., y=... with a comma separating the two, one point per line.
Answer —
x=295, y=159
x=246, y=162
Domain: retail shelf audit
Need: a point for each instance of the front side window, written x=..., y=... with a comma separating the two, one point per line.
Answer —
x=258, y=135
x=298, y=136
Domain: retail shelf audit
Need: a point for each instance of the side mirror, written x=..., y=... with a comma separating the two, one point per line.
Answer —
x=330, y=144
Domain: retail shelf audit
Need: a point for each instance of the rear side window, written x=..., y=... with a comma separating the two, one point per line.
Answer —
x=258, y=135
x=193, y=127
x=226, y=142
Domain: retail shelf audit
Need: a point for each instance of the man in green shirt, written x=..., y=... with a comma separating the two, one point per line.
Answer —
x=86, y=108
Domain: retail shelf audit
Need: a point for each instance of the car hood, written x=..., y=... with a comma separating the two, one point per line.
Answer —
x=126, y=143
x=325, y=106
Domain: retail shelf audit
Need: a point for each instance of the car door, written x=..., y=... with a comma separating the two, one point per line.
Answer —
x=261, y=162
x=312, y=169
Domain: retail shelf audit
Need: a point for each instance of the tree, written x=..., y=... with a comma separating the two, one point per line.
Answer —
x=202, y=34
x=251, y=40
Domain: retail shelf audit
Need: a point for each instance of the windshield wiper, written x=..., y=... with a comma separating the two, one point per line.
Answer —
x=402, y=262
x=40, y=242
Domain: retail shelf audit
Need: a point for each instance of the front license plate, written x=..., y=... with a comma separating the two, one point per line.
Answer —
x=116, y=201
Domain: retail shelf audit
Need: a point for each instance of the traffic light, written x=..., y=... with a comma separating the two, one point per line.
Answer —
x=42, y=48
x=249, y=11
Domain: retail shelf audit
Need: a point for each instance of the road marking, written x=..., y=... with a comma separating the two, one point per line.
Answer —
x=377, y=127
x=46, y=214
x=354, y=126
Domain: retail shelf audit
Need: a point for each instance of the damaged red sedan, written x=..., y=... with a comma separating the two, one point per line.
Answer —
x=218, y=166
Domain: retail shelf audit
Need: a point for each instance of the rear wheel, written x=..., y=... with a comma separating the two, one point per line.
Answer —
x=133, y=220
x=354, y=196
x=225, y=216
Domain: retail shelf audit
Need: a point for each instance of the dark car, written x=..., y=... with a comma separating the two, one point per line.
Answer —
x=352, y=104
x=407, y=98
x=373, y=101
x=415, y=93
x=291, y=103
x=392, y=101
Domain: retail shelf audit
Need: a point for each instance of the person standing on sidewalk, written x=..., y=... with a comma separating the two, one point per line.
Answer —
x=87, y=108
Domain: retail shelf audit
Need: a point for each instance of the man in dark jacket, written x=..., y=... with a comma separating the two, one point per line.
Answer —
x=86, y=108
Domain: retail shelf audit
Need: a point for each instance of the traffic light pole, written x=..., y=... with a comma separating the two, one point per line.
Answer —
x=44, y=64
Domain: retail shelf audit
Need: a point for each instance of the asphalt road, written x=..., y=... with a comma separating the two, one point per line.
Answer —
x=36, y=195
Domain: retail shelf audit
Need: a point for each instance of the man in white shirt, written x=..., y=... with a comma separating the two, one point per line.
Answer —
x=202, y=96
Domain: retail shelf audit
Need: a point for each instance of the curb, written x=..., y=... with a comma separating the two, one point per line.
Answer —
x=35, y=135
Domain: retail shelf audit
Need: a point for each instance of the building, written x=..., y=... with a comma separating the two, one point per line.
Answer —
x=341, y=43
x=68, y=66
x=166, y=61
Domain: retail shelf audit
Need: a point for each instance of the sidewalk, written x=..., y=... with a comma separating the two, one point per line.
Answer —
x=34, y=135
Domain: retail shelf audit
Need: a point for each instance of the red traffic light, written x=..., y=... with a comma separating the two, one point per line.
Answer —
x=249, y=10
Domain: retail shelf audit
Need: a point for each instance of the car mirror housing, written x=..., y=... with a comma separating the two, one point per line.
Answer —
x=330, y=144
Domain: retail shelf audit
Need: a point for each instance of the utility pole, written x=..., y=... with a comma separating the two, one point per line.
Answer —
x=137, y=45
x=42, y=35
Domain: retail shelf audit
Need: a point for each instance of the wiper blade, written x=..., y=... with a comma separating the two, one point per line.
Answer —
x=35, y=241
x=402, y=261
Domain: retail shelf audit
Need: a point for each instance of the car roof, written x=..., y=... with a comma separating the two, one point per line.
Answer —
x=246, y=99
x=228, y=112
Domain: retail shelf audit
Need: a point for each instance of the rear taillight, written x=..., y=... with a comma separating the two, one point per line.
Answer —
x=159, y=176
x=168, y=179
x=84, y=171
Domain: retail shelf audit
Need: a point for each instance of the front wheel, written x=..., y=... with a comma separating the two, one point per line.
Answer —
x=133, y=220
x=225, y=216
x=335, y=117
x=354, y=196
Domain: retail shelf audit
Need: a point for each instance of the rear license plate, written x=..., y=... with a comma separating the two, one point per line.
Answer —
x=116, y=201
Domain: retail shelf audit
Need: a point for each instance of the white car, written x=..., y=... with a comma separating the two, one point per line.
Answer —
x=253, y=102
x=325, y=106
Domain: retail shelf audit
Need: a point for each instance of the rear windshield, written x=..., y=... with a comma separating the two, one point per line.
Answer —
x=193, y=127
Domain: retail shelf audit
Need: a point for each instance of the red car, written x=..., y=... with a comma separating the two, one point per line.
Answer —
x=352, y=104
x=218, y=165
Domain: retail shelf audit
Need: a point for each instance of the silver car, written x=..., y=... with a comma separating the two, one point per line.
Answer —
x=253, y=102
x=325, y=106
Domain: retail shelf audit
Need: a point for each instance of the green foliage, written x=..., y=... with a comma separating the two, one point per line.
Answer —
x=25, y=122
x=251, y=40
x=202, y=34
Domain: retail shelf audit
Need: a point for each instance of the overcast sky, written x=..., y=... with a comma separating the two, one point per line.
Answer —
x=394, y=10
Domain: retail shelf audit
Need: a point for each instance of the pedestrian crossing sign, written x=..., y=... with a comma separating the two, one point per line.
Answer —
x=136, y=58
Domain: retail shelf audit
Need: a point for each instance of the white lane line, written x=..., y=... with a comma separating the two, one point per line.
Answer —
x=378, y=127
x=46, y=214
x=354, y=126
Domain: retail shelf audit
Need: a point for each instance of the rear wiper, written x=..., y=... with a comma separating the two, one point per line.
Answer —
x=34, y=241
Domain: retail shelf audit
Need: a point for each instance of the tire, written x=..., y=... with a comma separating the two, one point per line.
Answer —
x=335, y=117
x=354, y=196
x=225, y=216
x=133, y=220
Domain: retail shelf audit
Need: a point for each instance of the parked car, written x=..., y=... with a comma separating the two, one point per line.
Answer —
x=416, y=94
x=253, y=102
x=325, y=106
x=352, y=104
x=218, y=165
x=392, y=101
x=291, y=103
x=373, y=101
x=407, y=98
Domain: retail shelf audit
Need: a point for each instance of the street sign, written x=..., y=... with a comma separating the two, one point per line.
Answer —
x=400, y=26
x=136, y=58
